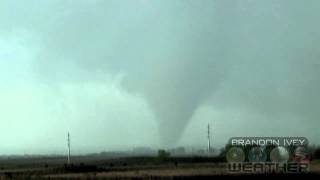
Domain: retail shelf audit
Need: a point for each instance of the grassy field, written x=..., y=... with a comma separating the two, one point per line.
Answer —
x=91, y=167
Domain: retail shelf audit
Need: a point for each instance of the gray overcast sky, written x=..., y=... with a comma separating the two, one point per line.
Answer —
x=120, y=74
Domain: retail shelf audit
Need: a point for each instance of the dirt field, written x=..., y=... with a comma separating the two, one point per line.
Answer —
x=120, y=168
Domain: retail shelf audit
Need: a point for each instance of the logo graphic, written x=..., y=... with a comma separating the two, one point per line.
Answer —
x=279, y=154
x=235, y=154
x=257, y=154
x=301, y=155
x=268, y=155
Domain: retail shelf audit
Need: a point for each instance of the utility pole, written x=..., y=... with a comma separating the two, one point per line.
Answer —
x=209, y=143
x=68, y=148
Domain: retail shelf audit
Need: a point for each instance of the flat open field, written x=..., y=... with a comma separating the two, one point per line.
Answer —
x=87, y=167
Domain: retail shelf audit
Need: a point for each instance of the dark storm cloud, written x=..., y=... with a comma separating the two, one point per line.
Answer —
x=261, y=56
x=168, y=54
x=177, y=53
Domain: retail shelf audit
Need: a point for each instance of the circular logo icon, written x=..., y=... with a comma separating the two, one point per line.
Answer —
x=301, y=155
x=235, y=154
x=257, y=154
x=279, y=154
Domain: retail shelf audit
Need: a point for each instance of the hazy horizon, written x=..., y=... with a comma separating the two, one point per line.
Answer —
x=119, y=74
